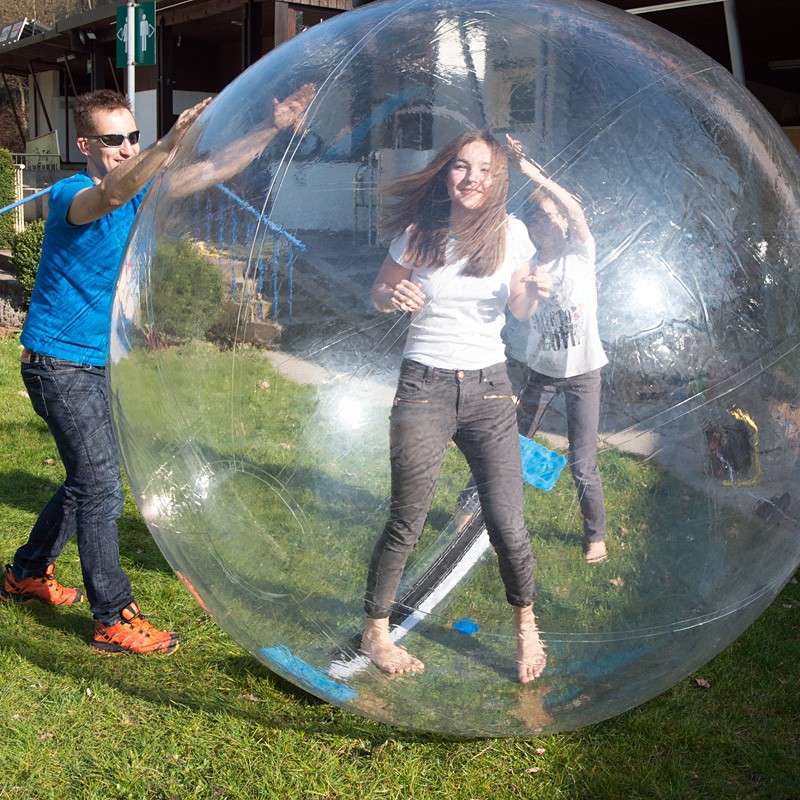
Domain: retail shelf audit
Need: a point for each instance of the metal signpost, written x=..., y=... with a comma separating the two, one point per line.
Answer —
x=136, y=41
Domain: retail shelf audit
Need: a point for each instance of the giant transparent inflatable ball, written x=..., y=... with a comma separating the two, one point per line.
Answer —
x=253, y=379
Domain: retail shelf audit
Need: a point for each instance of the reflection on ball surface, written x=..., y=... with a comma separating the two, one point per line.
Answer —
x=252, y=379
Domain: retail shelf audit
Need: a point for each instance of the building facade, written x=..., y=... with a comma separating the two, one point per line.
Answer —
x=200, y=46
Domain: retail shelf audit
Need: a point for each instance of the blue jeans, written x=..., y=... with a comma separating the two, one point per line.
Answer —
x=475, y=409
x=73, y=400
x=582, y=398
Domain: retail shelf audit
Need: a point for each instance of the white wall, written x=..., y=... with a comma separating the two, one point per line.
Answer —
x=49, y=102
x=316, y=196
x=146, y=116
x=182, y=100
x=319, y=196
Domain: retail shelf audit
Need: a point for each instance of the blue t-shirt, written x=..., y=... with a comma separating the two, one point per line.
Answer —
x=70, y=311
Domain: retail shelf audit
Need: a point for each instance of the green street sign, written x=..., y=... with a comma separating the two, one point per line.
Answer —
x=144, y=35
x=122, y=36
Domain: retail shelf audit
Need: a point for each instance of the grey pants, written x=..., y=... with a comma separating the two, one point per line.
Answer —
x=475, y=409
x=582, y=398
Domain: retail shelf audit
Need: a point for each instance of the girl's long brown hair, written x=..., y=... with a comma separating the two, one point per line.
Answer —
x=419, y=201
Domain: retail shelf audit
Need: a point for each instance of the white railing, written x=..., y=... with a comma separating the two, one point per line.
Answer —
x=19, y=211
x=38, y=160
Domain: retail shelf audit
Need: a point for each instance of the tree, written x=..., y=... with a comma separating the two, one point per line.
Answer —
x=13, y=102
x=14, y=97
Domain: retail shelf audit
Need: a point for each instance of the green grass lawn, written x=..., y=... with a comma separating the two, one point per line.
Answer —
x=212, y=722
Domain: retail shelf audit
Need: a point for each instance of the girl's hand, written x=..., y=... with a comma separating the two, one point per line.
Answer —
x=517, y=157
x=538, y=284
x=407, y=296
x=288, y=112
x=514, y=150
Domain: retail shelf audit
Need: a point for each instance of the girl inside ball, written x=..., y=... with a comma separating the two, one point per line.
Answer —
x=564, y=354
x=456, y=260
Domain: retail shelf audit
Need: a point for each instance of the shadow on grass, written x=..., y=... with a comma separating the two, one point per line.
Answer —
x=257, y=696
x=161, y=680
x=30, y=493
x=26, y=491
x=137, y=545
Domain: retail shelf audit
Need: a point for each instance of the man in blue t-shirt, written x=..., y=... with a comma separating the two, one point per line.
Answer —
x=66, y=341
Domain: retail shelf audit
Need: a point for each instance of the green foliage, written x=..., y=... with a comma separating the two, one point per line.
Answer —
x=6, y=197
x=187, y=289
x=26, y=249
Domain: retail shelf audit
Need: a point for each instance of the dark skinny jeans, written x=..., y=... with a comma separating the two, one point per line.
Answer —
x=475, y=409
x=73, y=400
x=582, y=399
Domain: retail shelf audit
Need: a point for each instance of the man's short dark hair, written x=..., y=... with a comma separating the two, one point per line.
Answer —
x=101, y=100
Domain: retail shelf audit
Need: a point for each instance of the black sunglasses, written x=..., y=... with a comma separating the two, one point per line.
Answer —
x=115, y=139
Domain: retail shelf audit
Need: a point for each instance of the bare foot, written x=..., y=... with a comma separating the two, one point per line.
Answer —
x=377, y=645
x=596, y=553
x=531, y=658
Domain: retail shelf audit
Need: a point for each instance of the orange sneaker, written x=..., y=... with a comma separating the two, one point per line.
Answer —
x=133, y=634
x=43, y=587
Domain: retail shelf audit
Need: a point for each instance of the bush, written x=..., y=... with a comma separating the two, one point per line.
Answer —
x=6, y=197
x=26, y=248
x=187, y=290
x=10, y=317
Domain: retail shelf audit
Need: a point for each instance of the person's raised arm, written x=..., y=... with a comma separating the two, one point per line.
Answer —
x=394, y=291
x=129, y=177
x=233, y=158
x=528, y=286
x=578, y=228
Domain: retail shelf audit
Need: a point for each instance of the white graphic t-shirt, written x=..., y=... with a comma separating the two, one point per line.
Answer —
x=564, y=339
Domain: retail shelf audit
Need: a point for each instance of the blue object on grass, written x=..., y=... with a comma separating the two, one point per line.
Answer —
x=540, y=466
x=466, y=626
x=309, y=676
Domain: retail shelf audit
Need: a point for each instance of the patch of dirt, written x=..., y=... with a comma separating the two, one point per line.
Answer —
x=7, y=333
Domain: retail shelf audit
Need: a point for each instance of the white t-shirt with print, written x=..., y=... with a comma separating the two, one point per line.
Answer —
x=460, y=324
x=564, y=338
